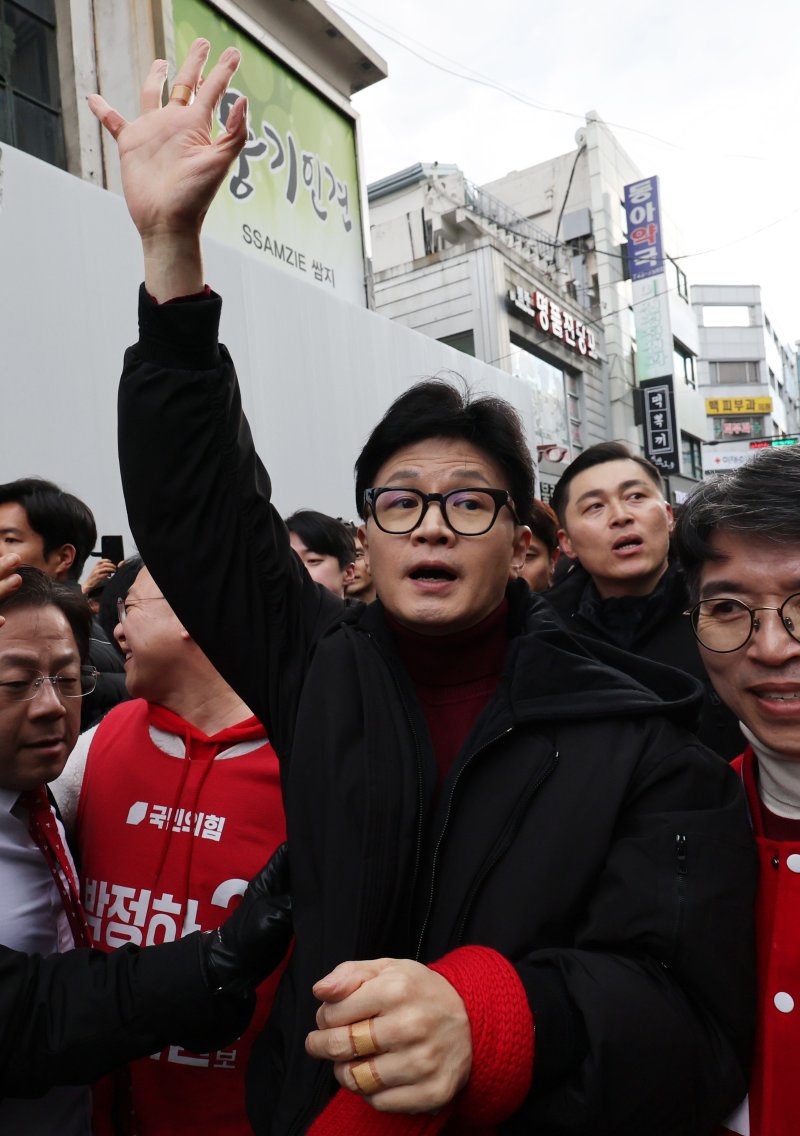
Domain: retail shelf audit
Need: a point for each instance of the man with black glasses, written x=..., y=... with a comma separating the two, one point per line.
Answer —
x=494, y=821
x=739, y=542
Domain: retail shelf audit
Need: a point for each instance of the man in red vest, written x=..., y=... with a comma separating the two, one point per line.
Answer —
x=175, y=802
x=739, y=542
x=67, y=1018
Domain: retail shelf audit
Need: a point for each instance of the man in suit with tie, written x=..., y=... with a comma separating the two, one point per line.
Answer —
x=73, y=1015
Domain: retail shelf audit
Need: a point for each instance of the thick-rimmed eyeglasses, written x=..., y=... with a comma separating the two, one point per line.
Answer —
x=23, y=686
x=468, y=512
x=724, y=624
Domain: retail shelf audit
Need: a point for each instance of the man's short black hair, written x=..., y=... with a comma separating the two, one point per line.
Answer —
x=57, y=516
x=324, y=535
x=438, y=409
x=39, y=590
x=760, y=499
x=598, y=455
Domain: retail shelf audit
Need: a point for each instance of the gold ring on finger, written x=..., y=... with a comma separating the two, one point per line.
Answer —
x=182, y=94
x=366, y=1077
x=362, y=1038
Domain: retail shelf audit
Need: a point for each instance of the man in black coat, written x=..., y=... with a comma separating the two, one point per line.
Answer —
x=516, y=876
x=623, y=588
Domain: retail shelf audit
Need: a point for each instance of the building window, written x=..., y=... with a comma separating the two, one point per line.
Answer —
x=683, y=365
x=677, y=279
x=573, y=390
x=740, y=371
x=691, y=458
x=30, y=98
x=555, y=396
x=463, y=341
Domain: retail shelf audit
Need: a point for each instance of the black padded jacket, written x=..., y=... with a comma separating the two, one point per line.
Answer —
x=582, y=832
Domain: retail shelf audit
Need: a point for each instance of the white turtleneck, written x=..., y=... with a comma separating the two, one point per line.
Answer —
x=778, y=778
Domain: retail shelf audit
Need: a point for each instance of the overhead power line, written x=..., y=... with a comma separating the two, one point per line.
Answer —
x=469, y=75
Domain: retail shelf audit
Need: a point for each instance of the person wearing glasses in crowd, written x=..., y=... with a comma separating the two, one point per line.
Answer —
x=480, y=811
x=55, y=531
x=173, y=802
x=739, y=542
x=66, y=1015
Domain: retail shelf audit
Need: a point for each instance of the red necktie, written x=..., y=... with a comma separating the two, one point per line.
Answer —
x=44, y=830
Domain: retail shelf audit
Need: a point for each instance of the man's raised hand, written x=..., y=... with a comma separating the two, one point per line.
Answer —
x=172, y=168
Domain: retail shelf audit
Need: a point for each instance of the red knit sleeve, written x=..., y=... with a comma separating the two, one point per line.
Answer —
x=502, y=1057
x=502, y=1033
x=350, y=1115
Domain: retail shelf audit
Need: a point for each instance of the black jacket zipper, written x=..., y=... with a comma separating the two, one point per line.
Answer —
x=502, y=845
x=417, y=752
x=682, y=872
x=469, y=760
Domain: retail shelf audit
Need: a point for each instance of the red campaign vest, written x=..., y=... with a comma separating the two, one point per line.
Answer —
x=167, y=844
x=774, y=1096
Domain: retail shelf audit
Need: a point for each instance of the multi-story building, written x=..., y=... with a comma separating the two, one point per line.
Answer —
x=578, y=199
x=454, y=262
x=746, y=373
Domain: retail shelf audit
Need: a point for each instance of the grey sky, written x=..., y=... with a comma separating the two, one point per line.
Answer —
x=718, y=84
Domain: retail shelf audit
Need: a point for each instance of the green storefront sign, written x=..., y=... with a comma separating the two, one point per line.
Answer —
x=292, y=197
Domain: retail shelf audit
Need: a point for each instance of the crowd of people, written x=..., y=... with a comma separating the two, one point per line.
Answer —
x=515, y=787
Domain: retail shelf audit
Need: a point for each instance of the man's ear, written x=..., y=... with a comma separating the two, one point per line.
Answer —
x=670, y=518
x=566, y=544
x=349, y=574
x=522, y=541
x=61, y=560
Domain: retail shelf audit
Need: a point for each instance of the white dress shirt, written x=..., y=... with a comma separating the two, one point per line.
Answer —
x=32, y=919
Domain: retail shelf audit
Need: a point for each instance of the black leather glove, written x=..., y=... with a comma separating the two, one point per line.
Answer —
x=250, y=944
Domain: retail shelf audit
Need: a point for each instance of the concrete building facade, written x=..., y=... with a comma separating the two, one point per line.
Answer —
x=317, y=368
x=454, y=262
x=56, y=52
x=577, y=198
x=746, y=373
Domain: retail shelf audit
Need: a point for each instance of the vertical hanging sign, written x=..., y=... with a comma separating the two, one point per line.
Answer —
x=660, y=427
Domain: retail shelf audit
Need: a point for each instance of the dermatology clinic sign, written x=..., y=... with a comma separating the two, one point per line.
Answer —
x=292, y=197
x=738, y=406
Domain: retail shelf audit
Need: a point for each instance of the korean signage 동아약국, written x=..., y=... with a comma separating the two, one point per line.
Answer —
x=660, y=429
x=556, y=322
x=648, y=280
x=645, y=252
x=292, y=197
